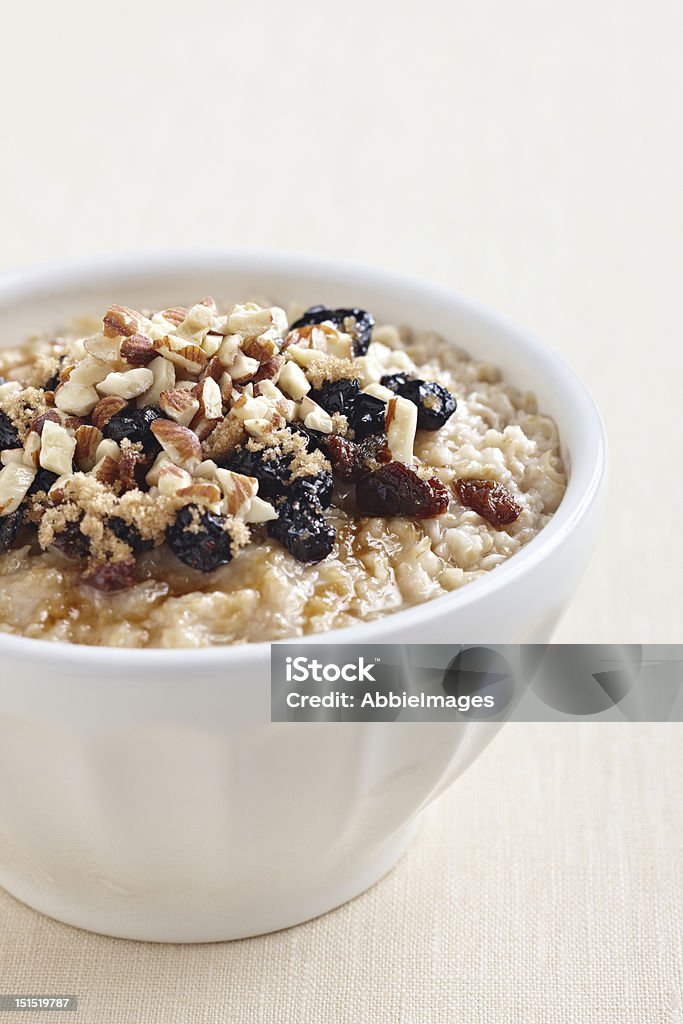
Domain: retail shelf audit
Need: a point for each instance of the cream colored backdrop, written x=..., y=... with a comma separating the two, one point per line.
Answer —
x=529, y=154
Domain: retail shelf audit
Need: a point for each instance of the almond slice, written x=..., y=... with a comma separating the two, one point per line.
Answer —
x=172, y=479
x=248, y=408
x=206, y=469
x=251, y=320
x=108, y=447
x=188, y=357
x=106, y=349
x=89, y=371
x=210, y=399
x=163, y=379
x=262, y=348
x=379, y=391
x=31, y=453
x=15, y=481
x=105, y=409
x=137, y=350
x=127, y=385
x=76, y=399
x=238, y=489
x=293, y=381
x=230, y=346
x=152, y=478
x=196, y=324
x=260, y=511
x=315, y=417
x=88, y=440
x=179, y=443
x=12, y=455
x=203, y=427
x=202, y=492
x=243, y=368
x=57, y=448
x=106, y=471
x=120, y=321
x=400, y=425
x=179, y=404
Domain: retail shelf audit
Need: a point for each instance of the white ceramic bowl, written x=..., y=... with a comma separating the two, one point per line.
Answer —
x=146, y=794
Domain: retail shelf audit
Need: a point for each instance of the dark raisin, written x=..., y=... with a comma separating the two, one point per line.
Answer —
x=205, y=548
x=135, y=425
x=396, y=490
x=342, y=456
x=315, y=439
x=302, y=528
x=10, y=526
x=42, y=481
x=52, y=384
x=110, y=576
x=317, y=487
x=270, y=469
x=367, y=417
x=8, y=435
x=356, y=322
x=365, y=414
x=352, y=461
x=490, y=500
x=71, y=542
x=337, y=396
x=395, y=381
x=435, y=405
x=371, y=453
x=129, y=534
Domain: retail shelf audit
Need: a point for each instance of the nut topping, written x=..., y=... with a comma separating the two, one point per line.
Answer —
x=105, y=409
x=180, y=444
x=137, y=350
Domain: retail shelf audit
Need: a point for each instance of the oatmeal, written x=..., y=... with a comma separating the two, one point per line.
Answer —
x=192, y=477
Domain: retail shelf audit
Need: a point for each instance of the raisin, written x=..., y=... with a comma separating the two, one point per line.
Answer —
x=490, y=500
x=435, y=405
x=302, y=528
x=317, y=487
x=315, y=439
x=342, y=456
x=71, y=542
x=9, y=528
x=205, y=549
x=360, y=327
x=396, y=490
x=352, y=461
x=110, y=576
x=372, y=453
x=337, y=396
x=368, y=416
x=135, y=425
x=42, y=481
x=272, y=473
x=9, y=438
x=395, y=381
x=274, y=478
x=129, y=534
x=365, y=414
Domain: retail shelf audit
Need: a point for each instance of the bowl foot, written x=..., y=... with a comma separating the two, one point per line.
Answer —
x=216, y=922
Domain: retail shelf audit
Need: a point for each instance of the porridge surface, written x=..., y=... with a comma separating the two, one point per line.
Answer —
x=377, y=565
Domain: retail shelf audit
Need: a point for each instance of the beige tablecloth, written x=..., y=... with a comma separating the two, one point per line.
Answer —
x=545, y=886
x=527, y=154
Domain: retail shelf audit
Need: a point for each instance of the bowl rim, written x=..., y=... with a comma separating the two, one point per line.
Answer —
x=590, y=457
